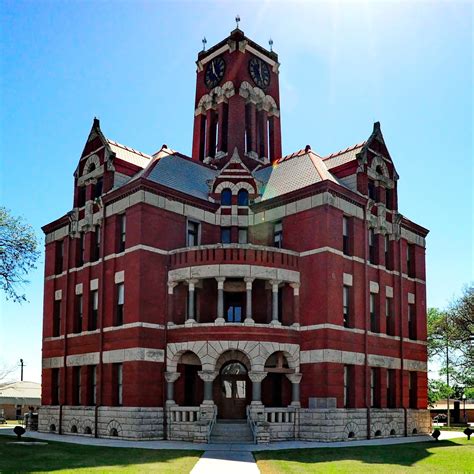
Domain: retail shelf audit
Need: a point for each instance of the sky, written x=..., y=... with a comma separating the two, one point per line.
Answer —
x=344, y=65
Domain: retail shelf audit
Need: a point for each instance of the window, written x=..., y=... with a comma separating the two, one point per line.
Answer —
x=95, y=253
x=372, y=190
x=226, y=197
x=372, y=247
x=345, y=236
x=59, y=257
x=225, y=235
x=390, y=323
x=79, y=314
x=243, y=235
x=411, y=321
x=122, y=233
x=120, y=295
x=348, y=386
x=411, y=260
x=234, y=314
x=94, y=313
x=57, y=318
x=80, y=250
x=98, y=188
x=346, y=293
x=373, y=313
x=412, y=389
x=388, y=254
x=390, y=388
x=118, y=375
x=55, y=387
x=81, y=196
x=388, y=198
x=193, y=234
x=243, y=198
x=278, y=235
x=372, y=388
x=92, y=389
x=76, y=386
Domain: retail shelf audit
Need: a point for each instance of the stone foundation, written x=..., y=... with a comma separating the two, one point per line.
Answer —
x=123, y=422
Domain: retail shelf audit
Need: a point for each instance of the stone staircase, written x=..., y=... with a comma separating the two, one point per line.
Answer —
x=231, y=431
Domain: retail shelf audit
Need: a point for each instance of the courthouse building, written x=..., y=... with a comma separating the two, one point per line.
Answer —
x=284, y=293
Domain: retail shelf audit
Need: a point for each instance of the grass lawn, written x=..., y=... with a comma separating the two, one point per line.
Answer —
x=456, y=455
x=65, y=457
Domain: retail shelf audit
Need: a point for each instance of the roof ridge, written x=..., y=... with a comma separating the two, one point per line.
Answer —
x=125, y=147
x=341, y=152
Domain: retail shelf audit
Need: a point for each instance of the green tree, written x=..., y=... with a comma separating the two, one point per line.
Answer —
x=438, y=390
x=18, y=254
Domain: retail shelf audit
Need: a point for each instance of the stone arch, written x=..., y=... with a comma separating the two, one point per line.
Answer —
x=176, y=350
x=379, y=164
x=392, y=429
x=226, y=184
x=219, y=93
x=87, y=423
x=292, y=361
x=232, y=355
x=377, y=428
x=114, y=425
x=73, y=422
x=93, y=160
x=351, y=428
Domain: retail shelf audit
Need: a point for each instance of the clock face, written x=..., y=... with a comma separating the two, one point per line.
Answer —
x=259, y=72
x=214, y=72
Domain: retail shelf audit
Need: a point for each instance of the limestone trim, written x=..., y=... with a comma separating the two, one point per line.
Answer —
x=358, y=358
x=210, y=352
x=58, y=295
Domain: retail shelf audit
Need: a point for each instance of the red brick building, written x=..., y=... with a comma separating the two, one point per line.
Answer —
x=288, y=292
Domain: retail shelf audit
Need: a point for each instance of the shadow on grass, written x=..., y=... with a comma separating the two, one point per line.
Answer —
x=455, y=454
x=57, y=456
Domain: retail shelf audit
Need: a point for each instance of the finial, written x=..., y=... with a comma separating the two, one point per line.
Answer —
x=204, y=41
x=237, y=21
x=270, y=42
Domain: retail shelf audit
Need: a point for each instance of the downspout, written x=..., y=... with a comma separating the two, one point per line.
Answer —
x=367, y=320
x=402, y=404
x=98, y=401
x=165, y=352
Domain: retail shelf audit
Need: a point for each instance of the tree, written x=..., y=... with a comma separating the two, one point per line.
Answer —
x=438, y=390
x=18, y=254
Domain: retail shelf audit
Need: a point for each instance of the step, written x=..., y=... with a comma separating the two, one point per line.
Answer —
x=231, y=431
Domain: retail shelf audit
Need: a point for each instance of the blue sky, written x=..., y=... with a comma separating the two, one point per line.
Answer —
x=343, y=66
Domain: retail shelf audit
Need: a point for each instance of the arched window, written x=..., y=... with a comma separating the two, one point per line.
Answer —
x=243, y=198
x=226, y=197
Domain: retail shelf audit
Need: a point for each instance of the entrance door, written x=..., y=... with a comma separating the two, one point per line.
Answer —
x=233, y=385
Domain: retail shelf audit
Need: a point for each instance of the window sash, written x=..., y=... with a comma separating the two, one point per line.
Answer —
x=120, y=294
x=226, y=235
x=243, y=236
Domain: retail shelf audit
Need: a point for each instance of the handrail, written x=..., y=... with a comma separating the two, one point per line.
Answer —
x=211, y=424
x=252, y=424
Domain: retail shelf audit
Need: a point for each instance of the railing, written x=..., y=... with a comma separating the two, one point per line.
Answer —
x=211, y=424
x=179, y=414
x=252, y=424
x=280, y=415
x=236, y=254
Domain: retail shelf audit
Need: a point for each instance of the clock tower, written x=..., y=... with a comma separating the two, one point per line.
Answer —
x=237, y=103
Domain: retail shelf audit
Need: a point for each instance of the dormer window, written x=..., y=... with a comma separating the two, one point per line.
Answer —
x=226, y=197
x=243, y=198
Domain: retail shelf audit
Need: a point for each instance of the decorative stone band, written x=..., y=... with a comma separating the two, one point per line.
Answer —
x=358, y=358
x=231, y=271
x=109, y=357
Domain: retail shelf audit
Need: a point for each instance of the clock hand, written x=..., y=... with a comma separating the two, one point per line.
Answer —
x=213, y=68
x=260, y=69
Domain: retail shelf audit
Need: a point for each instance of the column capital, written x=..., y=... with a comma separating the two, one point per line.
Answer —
x=256, y=377
x=171, y=286
x=207, y=375
x=295, y=378
x=220, y=282
x=249, y=279
x=172, y=376
x=275, y=284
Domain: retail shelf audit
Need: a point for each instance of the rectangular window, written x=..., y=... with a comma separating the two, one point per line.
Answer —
x=59, y=260
x=79, y=314
x=55, y=387
x=120, y=295
x=372, y=190
x=375, y=387
x=411, y=321
x=81, y=196
x=192, y=234
x=94, y=313
x=96, y=237
x=372, y=387
x=278, y=235
x=348, y=386
x=346, y=294
x=374, y=327
x=57, y=318
x=346, y=248
x=118, y=368
x=388, y=198
x=122, y=232
x=243, y=235
x=412, y=389
x=411, y=260
x=225, y=235
x=92, y=392
x=390, y=388
x=80, y=250
x=76, y=386
x=372, y=247
x=390, y=323
x=98, y=187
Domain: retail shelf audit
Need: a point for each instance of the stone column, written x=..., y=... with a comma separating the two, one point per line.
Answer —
x=171, y=287
x=296, y=304
x=207, y=376
x=248, y=287
x=257, y=378
x=171, y=378
x=295, y=380
x=220, y=300
x=191, y=309
x=275, y=320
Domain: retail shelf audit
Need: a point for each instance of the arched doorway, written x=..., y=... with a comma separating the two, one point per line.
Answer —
x=232, y=390
x=276, y=388
x=189, y=386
